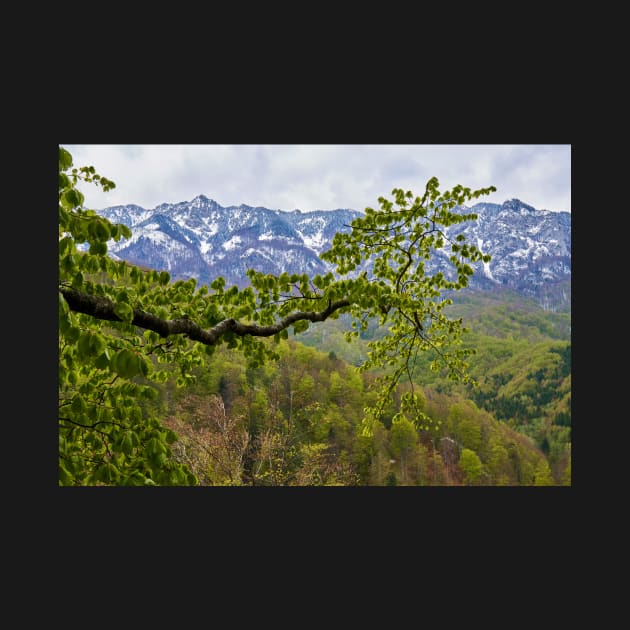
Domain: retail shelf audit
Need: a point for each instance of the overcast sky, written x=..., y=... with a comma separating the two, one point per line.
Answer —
x=321, y=176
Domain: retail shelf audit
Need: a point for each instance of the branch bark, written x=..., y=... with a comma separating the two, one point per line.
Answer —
x=103, y=308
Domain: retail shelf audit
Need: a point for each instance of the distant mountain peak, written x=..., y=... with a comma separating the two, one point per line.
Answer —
x=530, y=249
x=201, y=201
x=518, y=206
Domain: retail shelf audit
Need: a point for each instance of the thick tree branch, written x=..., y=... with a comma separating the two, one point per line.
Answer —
x=103, y=308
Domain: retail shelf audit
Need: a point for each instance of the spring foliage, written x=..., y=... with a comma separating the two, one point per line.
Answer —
x=118, y=323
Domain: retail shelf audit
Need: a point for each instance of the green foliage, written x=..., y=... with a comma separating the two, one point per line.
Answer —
x=105, y=367
x=404, y=436
x=286, y=411
x=471, y=465
x=542, y=475
x=117, y=346
x=503, y=313
x=522, y=367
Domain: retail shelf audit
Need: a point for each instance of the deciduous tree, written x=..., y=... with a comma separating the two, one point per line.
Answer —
x=118, y=323
x=470, y=463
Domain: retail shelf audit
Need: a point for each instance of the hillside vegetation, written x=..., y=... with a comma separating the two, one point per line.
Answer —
x=297, y=421
x=522, y=365
x=166, y=382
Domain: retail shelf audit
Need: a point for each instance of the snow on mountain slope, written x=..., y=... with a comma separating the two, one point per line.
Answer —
x=530, y=248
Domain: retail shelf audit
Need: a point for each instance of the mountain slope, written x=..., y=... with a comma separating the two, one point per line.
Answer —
x=530, y=248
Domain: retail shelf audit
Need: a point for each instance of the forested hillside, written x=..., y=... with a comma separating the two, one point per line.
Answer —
x=522, y=365
x=297, y=421
x=166, y=382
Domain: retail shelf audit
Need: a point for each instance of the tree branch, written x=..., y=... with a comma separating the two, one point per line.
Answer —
x=103, y=308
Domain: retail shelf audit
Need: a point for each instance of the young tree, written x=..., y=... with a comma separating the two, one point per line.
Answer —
x=542, y=474
x=210, y=442
x=499, y=464
x=470, y=463
x=118, y=322
x=404, y=440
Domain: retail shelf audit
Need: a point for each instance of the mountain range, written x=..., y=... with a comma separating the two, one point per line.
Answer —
x=530, y=248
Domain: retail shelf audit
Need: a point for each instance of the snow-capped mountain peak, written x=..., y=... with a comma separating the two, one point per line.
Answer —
x=530, y=248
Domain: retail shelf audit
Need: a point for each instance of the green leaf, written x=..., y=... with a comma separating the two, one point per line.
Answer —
x=300, y=326
x=102, y=230
x=83, y=345
x=72, y=198
x=108, y=473
x=143, y=366
x=124, y=311
x=126, y=363
x=65, y=159
x=65, y=478
x=78, y=405
x=97, y=344
x=72, y=334
x=72, y=378
x=64, y=309
x=98, y=249
x=102, y=362
x=65, y=245
x=218, y=284
x=126, y=444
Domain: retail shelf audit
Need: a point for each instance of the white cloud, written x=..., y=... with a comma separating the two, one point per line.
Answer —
x=323, y=177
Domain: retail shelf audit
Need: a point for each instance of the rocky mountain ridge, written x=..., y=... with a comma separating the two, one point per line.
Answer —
x=530, y=248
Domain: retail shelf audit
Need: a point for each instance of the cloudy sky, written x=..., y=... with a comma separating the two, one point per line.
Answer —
x=322, y=176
